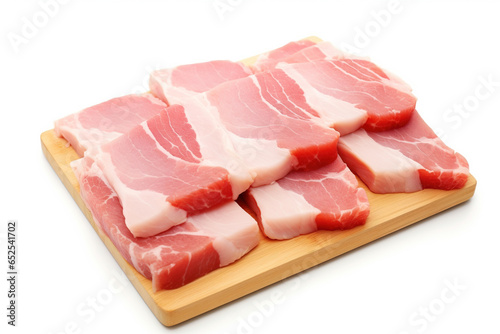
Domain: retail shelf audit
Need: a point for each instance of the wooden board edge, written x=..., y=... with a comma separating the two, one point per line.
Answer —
x=170, y=316
x=48, y=139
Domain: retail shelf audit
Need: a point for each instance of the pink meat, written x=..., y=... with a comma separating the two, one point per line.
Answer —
x=263, y=115
x=358, y=85
x=180, y=255
x=106, y=121
x=341, y=93
x=406, y=159
x=167, y=168
x=326, y=51
x=303, y=202
x=268, y=60
x=180, y=83
x=271, y=125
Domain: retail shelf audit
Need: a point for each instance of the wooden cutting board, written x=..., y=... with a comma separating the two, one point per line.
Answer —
x=271, y=261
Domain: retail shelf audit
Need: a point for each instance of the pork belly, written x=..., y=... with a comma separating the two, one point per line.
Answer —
x=180, y=255
x=99, y=124
x=176, y=85
x=175, y=164
x=406, y=159
x=328, y=198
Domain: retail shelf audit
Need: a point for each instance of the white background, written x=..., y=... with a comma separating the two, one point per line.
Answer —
x=86, y=52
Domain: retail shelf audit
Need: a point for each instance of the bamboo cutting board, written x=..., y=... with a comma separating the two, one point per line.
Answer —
x=271, y=261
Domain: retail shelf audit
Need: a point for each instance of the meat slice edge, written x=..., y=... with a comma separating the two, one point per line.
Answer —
x=328, y=198
x=271, y=126
x=161, y=175
x=175, y=257
x=360, y=86
x=406, y=159
x=101, y=123
x=175, y=85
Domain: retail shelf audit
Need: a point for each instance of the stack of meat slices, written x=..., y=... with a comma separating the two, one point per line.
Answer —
x=161, y=171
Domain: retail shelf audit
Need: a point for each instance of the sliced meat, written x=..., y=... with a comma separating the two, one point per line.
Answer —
x=180, y=255
x=328, y=110
x=268, y=60
x=407, y=159
x=326, y=51
x=344, y=88
x=182, y=82
x=328, y=198
x=353, y=86
x=268, y=121
x=106, y=121
x=175, y=164
x=271, y=125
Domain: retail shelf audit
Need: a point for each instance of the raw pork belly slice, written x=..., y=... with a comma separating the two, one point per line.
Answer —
x=407, y=159
x=343, y=100
x=302, y=202
x=326, y=51
x=182, y=82
x=180, y=255
x=271, y=125
x=169, y=167
x=356, y=85
x=268, y=60
x=265, y=116
x=106, y=121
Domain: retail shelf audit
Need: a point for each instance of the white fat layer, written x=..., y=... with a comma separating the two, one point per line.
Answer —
x=234, y=231
x=133, y=257
x=393, y=171
x=265, y=160
x=284, y=214
x=147, y=213
x=215, y=143
x=162, y=80
x=85, y=139
x=171, y=93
